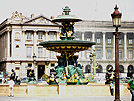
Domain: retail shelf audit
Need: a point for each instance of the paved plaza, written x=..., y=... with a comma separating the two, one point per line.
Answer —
x=89, y=98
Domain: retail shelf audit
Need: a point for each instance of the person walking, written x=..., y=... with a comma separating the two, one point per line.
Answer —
x=131, y=87
x=11, y=86
x=111, y=88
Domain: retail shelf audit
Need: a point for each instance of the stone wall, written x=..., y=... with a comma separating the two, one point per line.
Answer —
x=93, y=89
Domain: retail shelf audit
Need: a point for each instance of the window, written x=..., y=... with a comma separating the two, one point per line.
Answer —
x=120, y=54
x=99, y=69
x=52, y=65
x=28, y=35
x=29, y=51
x=51, y=54
x=87, y=69
x=40, y=35
x=40, y=51
x=130, y=54
x=109, y=40
x=51, y=35
x=29, y=65
x=88, y=39
x=77, y=38
x=130, y=41
x=98, y=40
x=121, y=69
x=87, y=53
x=109, y=54
x=98, y=54
x=120, y=41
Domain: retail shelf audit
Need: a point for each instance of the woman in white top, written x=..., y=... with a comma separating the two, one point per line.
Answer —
x=11, y=85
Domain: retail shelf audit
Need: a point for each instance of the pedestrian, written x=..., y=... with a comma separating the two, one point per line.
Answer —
x=131, y=87
x=11, y=86
x=13, y=75
x=111, y=88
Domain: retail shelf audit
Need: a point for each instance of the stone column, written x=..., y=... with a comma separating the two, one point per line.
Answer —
x=4, y=45
x=8, y=44
x=113, y=47
x=35, y=43
x=35, y=70
x=104, y=46
x=47, y=52
x=12, y=44
x=58, y=35
x=35, y=52
x=47, y=68
x=125, y=46
x=93, y=39
x=83, y=52
x=23, y=43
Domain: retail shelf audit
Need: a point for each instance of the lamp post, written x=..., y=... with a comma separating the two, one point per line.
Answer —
x=34, y=63
x=116, y=18
x=91, y=60
x=94, y=63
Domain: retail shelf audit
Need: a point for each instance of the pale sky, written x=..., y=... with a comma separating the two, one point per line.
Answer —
x=84, y=9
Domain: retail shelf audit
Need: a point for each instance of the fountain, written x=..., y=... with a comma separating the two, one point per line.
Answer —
x=68, y=70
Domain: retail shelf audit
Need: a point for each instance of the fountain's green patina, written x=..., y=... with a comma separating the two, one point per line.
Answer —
x=68, y=70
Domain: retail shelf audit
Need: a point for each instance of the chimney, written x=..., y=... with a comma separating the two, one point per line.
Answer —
x=32, y=15
x=52, y=17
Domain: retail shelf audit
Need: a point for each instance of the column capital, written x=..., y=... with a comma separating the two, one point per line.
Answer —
x=125, y=33
x=35, y=31
x=104, y=32
x=47, y=63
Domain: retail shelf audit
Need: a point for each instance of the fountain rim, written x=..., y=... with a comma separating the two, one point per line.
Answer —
x=66, y=18
x=70, y=46
x=67, y=42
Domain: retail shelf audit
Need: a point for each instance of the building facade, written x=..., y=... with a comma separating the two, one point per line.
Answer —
x=20, y=37
x=101, y=32
x=20, y=50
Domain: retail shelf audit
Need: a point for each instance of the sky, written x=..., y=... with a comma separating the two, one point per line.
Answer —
x=99, y=10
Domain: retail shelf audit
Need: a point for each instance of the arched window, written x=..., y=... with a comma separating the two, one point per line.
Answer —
x=121, y=69
x=17, y=46
x=108, y=67
x=99, y=69
x=130, y=69
x=87, y=69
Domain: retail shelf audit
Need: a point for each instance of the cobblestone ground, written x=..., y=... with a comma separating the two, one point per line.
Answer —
x=90, y=98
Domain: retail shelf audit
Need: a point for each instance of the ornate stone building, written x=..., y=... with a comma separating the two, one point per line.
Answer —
x=20, y=37
x=101, y=33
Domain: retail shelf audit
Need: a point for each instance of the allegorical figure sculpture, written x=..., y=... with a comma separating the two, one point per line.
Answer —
x=109, y=75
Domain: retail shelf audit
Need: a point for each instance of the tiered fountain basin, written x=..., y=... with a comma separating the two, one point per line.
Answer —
x=67, y=45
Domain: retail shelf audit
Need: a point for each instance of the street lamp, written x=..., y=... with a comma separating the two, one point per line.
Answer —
x=34, y=67
x=94, y=63
x=91, y=60
x=34, y=60
x=116, y=18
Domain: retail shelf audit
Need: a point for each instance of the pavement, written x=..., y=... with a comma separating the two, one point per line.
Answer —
x=59, y=98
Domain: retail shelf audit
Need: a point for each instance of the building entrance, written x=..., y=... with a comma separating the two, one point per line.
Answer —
x=41, y=70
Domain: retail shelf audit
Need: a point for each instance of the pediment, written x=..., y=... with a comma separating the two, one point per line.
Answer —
x=40, y=20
